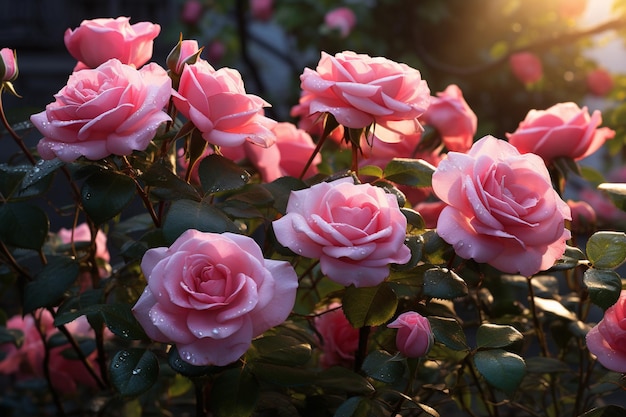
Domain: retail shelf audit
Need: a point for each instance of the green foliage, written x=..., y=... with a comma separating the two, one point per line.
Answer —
x=50, y=284
x=105, y=194
x=133, y=371
x=369, y=306
x=607, y=250
x=502, y=370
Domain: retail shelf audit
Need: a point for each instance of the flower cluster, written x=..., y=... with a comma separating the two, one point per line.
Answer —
x=368, y=256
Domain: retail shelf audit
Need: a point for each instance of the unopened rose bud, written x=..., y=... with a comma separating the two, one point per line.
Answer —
x=414, y=337
x=185, y=52
x=8, y=64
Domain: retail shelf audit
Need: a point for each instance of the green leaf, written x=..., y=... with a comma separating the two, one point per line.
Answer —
x=14, y=336
x=188, y=214
x=369, y=306
x=501, y=369
x=167, y=185
x=121, y=321
x=42, y=169
x=281, y=189
x=281, y=350
x=105, y=194
x=606, y=411
x=349, y=407
x=382, y=366
x=436, y=251
x=543, y=365
x=413, y=172
x=50, y=283
x=616, y=192
x=448, y=332
x=234, y=393
x=23, y=225
x=415, y=244
x=497, y=336
x=413, y=218
x=133, y=371
x=218, y=173
x=443, y=283
x=343, y=380
x=604, y=286
x=371, y=171
x=607, y=250
x=553, y=306
x=572, y=258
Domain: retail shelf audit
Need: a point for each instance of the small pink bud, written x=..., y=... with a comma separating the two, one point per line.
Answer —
x=8, y=64
x=414, y=337
x=526, y=67
x=185, y=52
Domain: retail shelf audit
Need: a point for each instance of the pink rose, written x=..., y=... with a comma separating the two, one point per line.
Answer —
x=338, y=339
x=501, y=208
x=185, y=52
x=414, y=337
x=96, y=41
x=584, y=217
x=312, y=123
x=210, y=294
x=192, y=12
x=455, y=121
x=341, y=19
x=262, y=9
x=27, y=361
x=359, y=90
x=430, y=211
x=563, y=130
x=526, y=67
x=8, y=65
x=607, y=340
x=607, y=214
x=218, y=105
x=83, y=234
x=599, y=82
x=113, y=109
x=356, y=231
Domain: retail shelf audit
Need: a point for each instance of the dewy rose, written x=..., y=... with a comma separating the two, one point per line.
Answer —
x=96, y=41
x=563, y=130
x=607, y=340
x=501, y=208
x=414, y=337
x=210, y=294
x=218, y=105
x=453, y=118
x=359, y=90
x=356, y=230
x=111, y=110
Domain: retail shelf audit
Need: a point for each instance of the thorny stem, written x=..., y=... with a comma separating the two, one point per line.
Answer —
x=142, y=193
x=317, y=149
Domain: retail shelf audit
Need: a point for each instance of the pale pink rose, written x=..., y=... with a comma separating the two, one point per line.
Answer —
x=216, y=102
x=414, y=337
x=96, y=41
x=599, y=82
x=338, y=339
x=210, y=294
x=262, y=9
x=584, y=218
x=453, y=118
x=355, y=230
x=111, y=110
x=563, y=130
x=526, y=67
x=185, y=52
x=27, y=361
x=607, y=340
x=191, y=12
x=501, y=208
x=341, y=19
x=8, y=65
x=359, y=90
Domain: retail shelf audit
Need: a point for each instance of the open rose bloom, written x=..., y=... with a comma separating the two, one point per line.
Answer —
x=501, y=208
x=607, y=340
x=210, y=294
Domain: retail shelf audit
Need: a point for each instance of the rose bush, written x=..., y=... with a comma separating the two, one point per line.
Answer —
x=210, y=294
x=116, y=38
x=111, y=110
x=356, y=230
x=501, y=208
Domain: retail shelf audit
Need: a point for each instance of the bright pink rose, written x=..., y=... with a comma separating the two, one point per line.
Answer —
x=210, y=294
x=27, y=361
x=526, y=67
x=356, y=230
x=113, y=109
x=8, y=65
x=185, y=52
x=599, y=82
x=607, y=340
x=501, y=208
x=96, y=41
x=453, y=118
x=262, y=9
x=191, y=12
x=563, y=130
x=338, y=339
x=217, y=104
x=414, y=337
x=341, y=19
x=359, y=90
